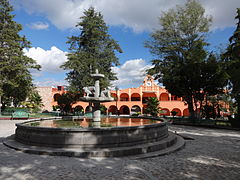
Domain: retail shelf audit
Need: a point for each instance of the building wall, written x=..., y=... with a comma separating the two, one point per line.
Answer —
x=124, y=104
x=46, y=95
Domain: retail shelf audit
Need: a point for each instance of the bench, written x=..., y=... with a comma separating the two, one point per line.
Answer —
x=20, y=115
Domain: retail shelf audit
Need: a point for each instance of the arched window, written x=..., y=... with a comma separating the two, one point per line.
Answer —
x=113, y=110
x=88, y=110
x=135, y=109
x=178, y=111
x=56, y=96
x=135, y=97
x=78, y=108
x=165, y=112
x=124, y=97
x=164, y=97
x=124, y=110
x=114, y=95
x=175, y=98
x=146, y=96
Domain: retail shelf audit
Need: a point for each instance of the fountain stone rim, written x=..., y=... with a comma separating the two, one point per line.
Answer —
x=92, y=129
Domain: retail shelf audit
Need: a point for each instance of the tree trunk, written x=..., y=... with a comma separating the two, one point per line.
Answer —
x=3, y=106
x=201, y=108
x=191, y=111
x=189, y=101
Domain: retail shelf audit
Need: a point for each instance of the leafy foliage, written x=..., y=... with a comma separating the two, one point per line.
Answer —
x=232, y=58
x=174, y=113
x=182, y=64
x=216, y=104
x=15, y=78
x=65, y=102
x=103, y=109
x=34, y=101
x=152, y=106
x=92, y=49
x=55, y=108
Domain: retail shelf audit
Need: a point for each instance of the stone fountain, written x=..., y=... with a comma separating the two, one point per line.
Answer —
x=139, y=140
x=95, y=96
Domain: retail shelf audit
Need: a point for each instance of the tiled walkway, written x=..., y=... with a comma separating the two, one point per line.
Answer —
x=213, y=154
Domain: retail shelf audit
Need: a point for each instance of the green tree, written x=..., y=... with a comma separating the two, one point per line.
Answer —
x=182, y=62
x=232, y=58
x=92, y=49
x=15, y=78
x=103, y=109
x=229, y=104
x=209, y=111
x=33, y=102
x=174, y=113
x=65, y=102
x=212, y=80
x=152, y=106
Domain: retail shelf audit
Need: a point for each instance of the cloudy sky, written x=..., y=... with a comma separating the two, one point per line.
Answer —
x=48, y=23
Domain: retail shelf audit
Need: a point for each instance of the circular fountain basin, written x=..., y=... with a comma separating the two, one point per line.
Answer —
x=123, y=132
x=118, y=137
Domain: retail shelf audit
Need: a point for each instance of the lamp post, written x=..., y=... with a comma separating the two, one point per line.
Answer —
x=116, y=88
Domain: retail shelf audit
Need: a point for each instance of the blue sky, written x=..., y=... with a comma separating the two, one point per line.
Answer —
x=48, y=23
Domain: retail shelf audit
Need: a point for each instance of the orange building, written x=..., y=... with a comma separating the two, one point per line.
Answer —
x=132, y=100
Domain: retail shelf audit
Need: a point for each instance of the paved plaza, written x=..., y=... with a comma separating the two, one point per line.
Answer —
x=213, y=154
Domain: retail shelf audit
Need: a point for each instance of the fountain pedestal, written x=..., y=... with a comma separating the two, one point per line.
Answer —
x=96, y=112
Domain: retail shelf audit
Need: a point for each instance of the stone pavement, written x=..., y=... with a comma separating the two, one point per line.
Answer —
x=213, y=154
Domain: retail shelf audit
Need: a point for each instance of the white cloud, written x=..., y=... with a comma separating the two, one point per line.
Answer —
x=131, y=73
x=223, y=12
x=138, y=15
x=50, y=82
x=62, y=13
x=39, y=25
x=50, y=60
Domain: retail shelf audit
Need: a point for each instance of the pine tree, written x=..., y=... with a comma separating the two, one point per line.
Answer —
x=15, y=78
x=92, y=49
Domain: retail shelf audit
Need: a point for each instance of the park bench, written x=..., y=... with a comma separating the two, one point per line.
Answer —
x=20, y=115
